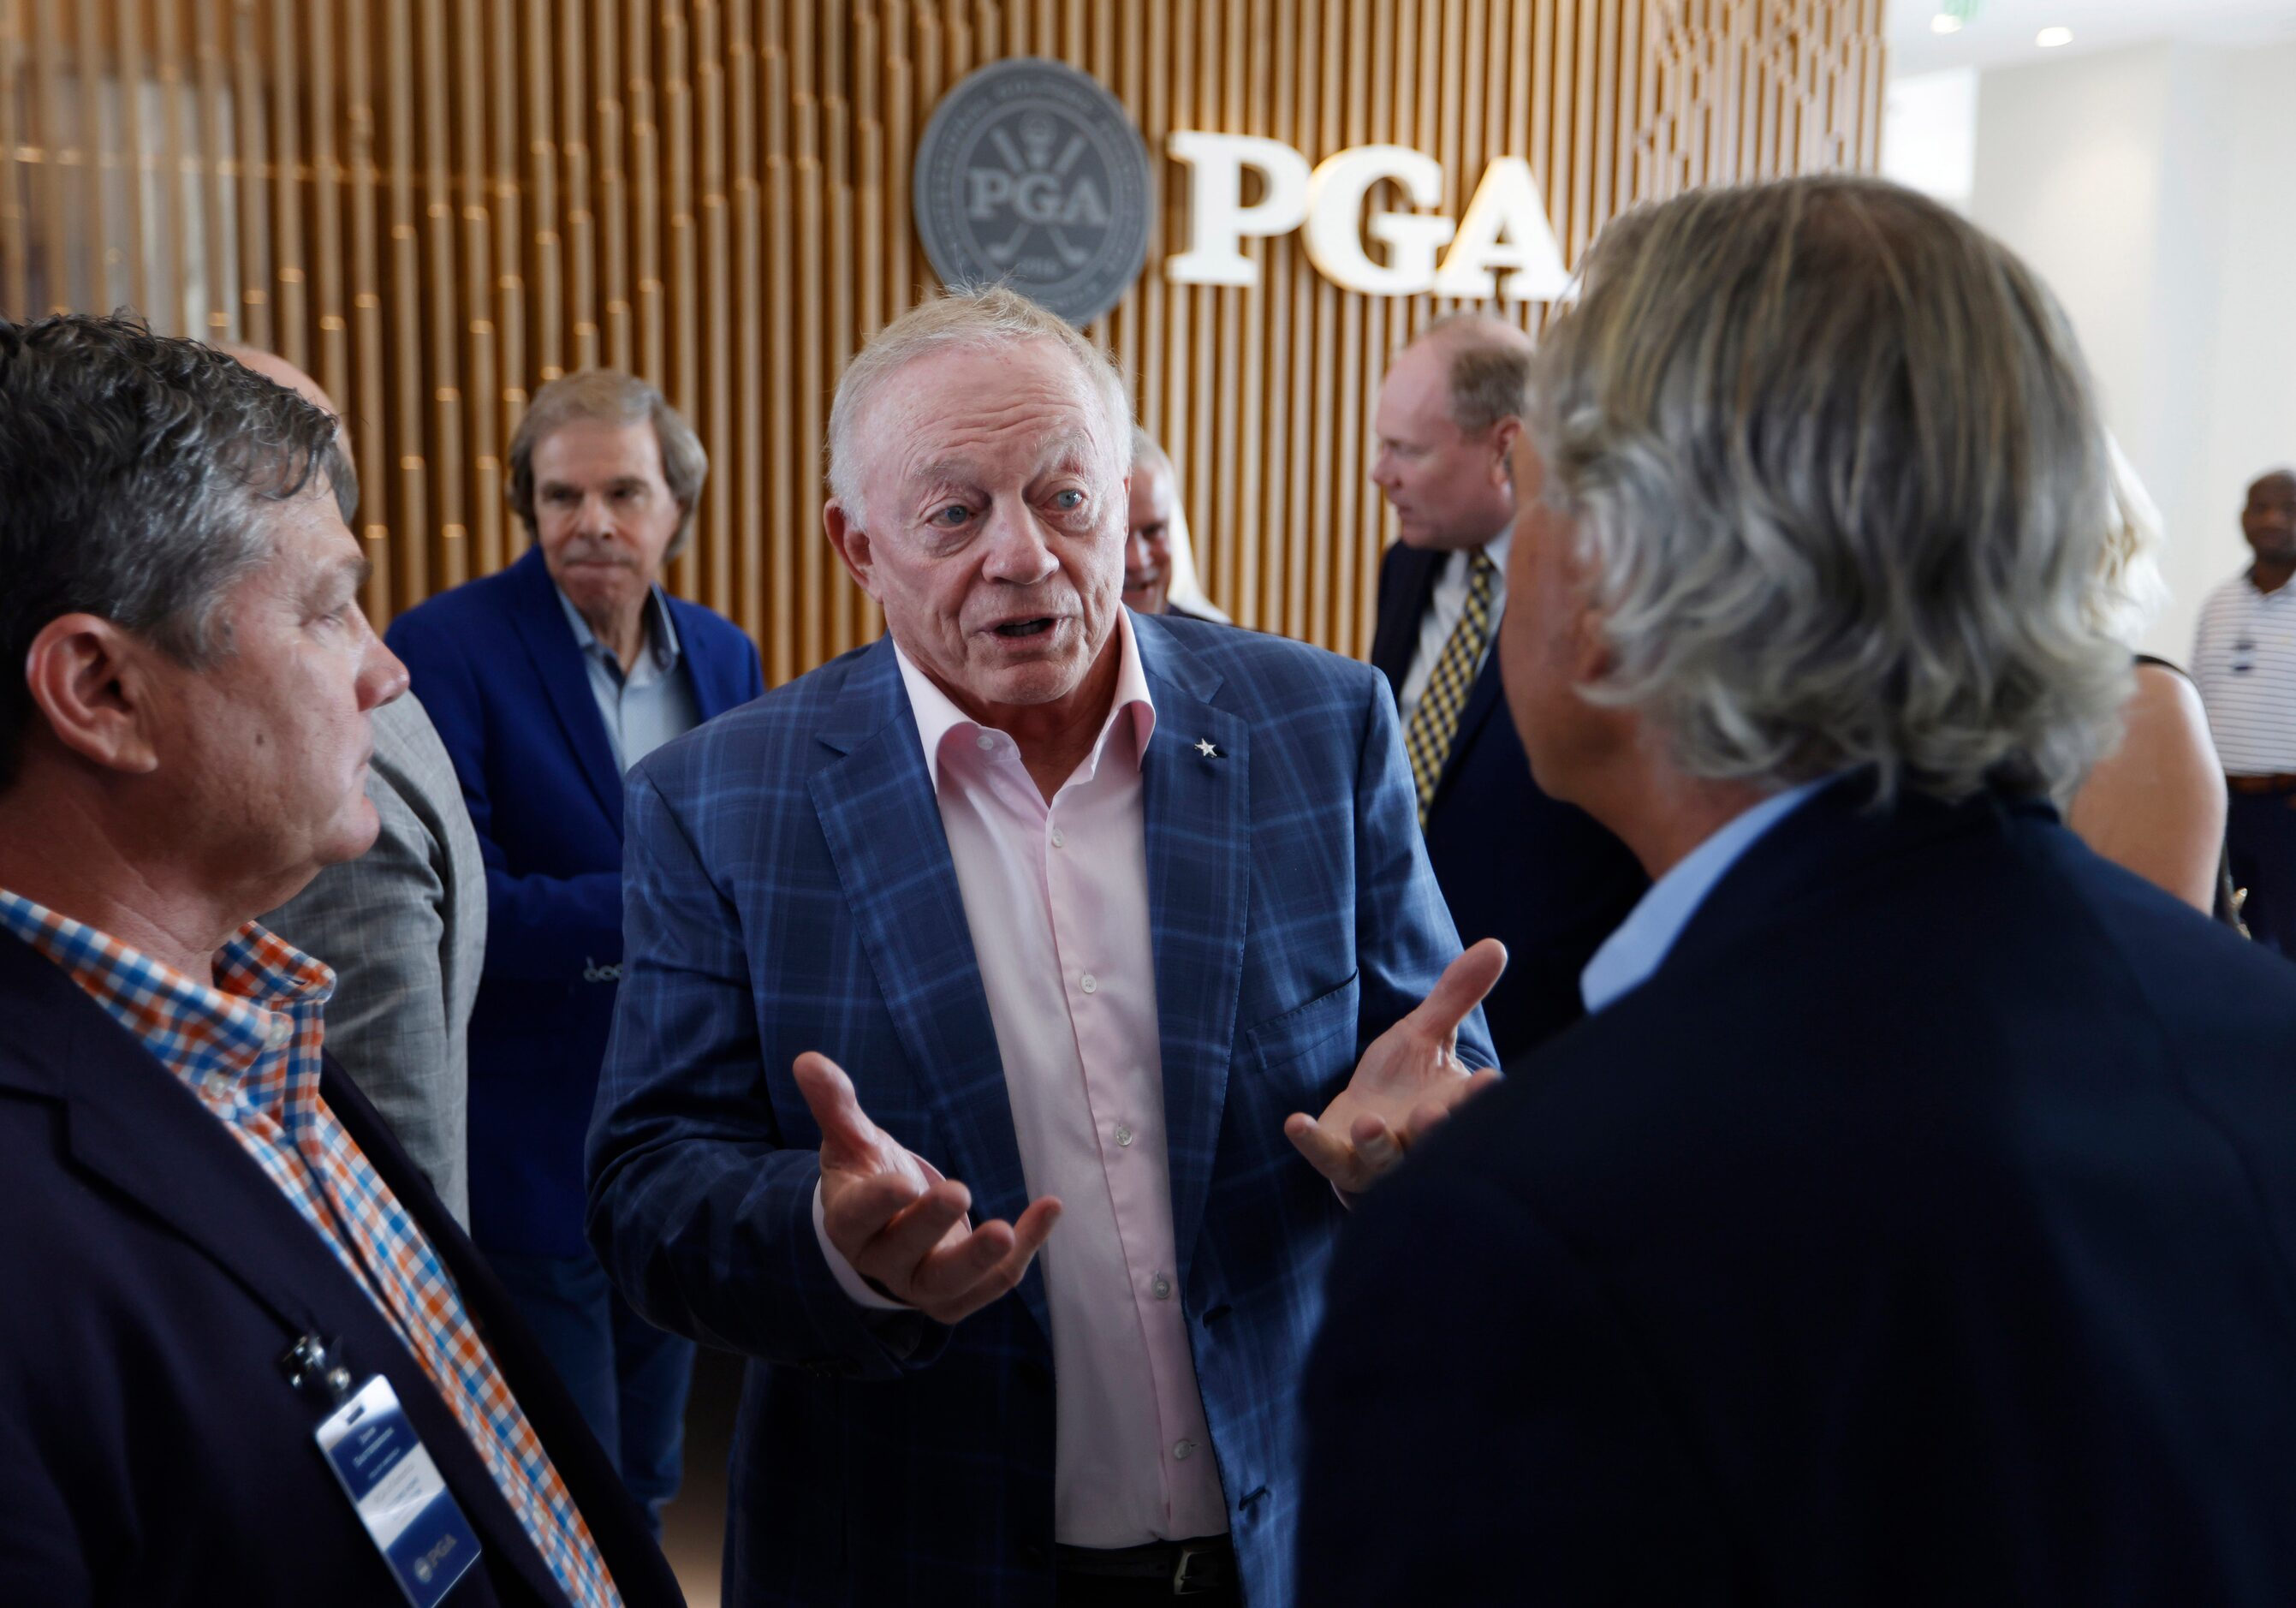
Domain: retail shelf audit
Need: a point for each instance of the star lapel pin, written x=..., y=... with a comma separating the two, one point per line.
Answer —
x=1204, y=747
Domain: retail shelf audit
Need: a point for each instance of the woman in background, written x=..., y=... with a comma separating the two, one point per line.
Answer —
x=2156, y=804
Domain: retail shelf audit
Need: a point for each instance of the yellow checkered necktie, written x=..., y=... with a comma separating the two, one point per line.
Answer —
x=1435, y=718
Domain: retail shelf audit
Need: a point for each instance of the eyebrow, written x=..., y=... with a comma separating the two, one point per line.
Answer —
x=330, y=580
x=552, y=486
x=1074, y=445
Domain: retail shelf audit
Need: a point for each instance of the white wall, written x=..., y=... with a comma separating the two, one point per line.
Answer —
x=2150, y=187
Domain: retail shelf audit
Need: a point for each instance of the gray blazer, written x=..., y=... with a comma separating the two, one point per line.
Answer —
x=404, y=927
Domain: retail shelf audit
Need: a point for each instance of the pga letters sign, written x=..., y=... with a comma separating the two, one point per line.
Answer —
x=1031, y=173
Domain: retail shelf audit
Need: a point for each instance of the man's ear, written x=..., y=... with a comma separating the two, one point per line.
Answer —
x=852, y=545
x=92, y=683
x=1503, y=438
x=1591, y=658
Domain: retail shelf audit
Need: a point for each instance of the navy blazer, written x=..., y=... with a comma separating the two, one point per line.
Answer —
x=1919, y=1232
x=152, y=1451
x=495, y=663
x=1541, y=876
x=790, y=889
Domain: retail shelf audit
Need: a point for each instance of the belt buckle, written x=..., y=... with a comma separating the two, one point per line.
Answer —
x=1181, y=1584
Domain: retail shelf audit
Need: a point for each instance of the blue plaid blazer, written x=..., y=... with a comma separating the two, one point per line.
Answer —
x=788, y=888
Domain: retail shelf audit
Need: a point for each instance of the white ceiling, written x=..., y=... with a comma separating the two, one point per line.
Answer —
x=2003, y=30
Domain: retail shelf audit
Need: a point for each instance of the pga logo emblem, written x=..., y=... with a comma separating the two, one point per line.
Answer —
x=1503, y=245
x=1030, y=174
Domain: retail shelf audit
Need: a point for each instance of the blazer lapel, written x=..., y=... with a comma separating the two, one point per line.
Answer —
x=1197, y=810
x=132, y=1124
x=884, y=827
x=1395, y=635
x=715, y=677
x=549, y=641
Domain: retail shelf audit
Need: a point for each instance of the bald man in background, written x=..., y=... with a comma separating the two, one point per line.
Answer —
x=404, y=925
x=1539, y=875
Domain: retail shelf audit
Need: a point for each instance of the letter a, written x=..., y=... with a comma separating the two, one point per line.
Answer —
x=1505, y=226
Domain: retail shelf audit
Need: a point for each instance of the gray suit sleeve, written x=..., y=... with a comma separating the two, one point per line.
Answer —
x=380, y=922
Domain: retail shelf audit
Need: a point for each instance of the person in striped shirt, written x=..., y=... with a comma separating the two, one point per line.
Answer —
x=2244, y=662
x=200, y=1197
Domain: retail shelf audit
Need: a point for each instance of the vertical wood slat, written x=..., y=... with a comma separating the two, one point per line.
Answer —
x=410, y=534
x=445, y=423
x=439, y=204
x=613, y=220
x=16, y=265
x=369, y=442
x=332, y=345
x=474, y=189
x=135, y=156
x=87, y=143
x=578, y=236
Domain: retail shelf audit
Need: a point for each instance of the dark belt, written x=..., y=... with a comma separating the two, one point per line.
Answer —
x=2252, y=785
x=1188, y=1568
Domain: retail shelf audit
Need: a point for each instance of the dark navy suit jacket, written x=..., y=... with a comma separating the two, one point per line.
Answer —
x=1919, y=1232
x=152, y=1451
x=790, y=889
x=1538, y=874
x=496, y=665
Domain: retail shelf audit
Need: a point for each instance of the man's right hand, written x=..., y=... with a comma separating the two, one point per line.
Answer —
x=899, y=1229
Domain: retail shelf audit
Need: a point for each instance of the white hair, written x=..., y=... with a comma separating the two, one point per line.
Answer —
x=2131, y=590
x=1841, y=490
x=971, y=316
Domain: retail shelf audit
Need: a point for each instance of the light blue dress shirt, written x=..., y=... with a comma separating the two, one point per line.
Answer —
x=652, y=704
x=1641, y=944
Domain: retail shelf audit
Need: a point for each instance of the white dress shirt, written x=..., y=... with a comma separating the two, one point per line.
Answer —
x=2244, y=663
x=1056, y=898
x=1444, y=604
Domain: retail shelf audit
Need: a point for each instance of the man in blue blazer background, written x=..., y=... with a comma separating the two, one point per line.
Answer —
x=546, y=682
x=1037, y=923
x=1538, y=873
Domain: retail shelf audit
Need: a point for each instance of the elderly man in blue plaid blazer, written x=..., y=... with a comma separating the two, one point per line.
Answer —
x=1037, y=925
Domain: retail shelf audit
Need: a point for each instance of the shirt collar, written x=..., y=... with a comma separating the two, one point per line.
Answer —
x=661, y=630
x=261, y=985
x=1646, y=937
x=1496, y=550
x=937, y=716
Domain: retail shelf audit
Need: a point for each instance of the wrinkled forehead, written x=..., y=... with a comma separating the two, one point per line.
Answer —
x=1011, y=411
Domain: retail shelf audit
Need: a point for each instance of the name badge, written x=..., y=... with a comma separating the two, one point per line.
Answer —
x=400, y=1494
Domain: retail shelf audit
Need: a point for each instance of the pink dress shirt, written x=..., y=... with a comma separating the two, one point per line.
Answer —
x=1056, y=898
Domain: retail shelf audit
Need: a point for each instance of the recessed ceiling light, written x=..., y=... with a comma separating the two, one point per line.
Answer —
x=2049, y=39
x=1945, y=22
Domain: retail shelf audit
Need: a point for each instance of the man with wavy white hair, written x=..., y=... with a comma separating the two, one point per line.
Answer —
x=1035, y=910
x=1910, y=1221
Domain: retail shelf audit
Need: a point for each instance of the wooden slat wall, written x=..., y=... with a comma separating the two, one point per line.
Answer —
x=439, y=204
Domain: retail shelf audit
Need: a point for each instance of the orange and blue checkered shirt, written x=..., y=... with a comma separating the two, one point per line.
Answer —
x=248, y=1047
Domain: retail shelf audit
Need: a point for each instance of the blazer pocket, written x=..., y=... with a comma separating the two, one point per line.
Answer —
x=1304, y=1030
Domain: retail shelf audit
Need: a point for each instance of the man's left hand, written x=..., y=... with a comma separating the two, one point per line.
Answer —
x=1407, y=1082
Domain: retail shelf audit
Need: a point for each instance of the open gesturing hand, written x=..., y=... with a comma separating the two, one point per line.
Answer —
x=1407, y=1082
x=898, y=1228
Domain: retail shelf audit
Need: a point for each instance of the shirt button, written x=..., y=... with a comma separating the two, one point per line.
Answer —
x=278, y=1034
x=1162, y=1287
x=1182, y=1449
x=1057, y=838
x=1089, y=984
x=986, y=741
x=1123, y=1136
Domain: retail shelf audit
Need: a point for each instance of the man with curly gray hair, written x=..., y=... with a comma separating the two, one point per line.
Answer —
x=1910, y=1221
